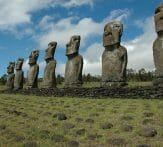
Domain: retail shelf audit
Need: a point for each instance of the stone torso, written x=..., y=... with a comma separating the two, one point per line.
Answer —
x=10, y=81
x=112, y=64
x=49, y=80
x=32, y=76
x=158, y=56
x=18, y=80
x=73, y=73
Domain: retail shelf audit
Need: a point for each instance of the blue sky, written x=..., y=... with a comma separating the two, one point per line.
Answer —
x=27, y=25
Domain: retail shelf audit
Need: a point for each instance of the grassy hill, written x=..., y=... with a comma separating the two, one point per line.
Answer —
x=68, y=122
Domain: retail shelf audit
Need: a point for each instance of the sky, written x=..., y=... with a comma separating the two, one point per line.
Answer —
x=26, y=25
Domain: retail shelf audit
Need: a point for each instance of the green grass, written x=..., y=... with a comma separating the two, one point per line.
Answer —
x=31, y=118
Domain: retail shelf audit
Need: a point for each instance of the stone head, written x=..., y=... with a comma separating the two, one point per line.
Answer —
x=49, y=52
x=73, y=45
x=33, y=57
x=19, y=63
x=159, y=19
x=10, y=68
x=112, y=33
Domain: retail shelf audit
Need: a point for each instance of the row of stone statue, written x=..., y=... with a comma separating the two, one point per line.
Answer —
x=114, y=60
x=73, y=73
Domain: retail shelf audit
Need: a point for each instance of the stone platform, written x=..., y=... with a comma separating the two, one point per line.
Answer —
x=96, y=92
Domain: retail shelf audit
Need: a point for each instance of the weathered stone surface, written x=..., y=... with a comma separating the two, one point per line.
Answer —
x=114, y=57
x=81, y=132
x=60, y=116
x=158, y=46
x=72, y=144
x=49, y=80
x=106, y=125
x=127, y=127
x=74, y=65
x=116, y=142
x=57, y=138
x=11, y=75
x=147, y=132
x=32, y=76
x=19, y=76
x=96, y=92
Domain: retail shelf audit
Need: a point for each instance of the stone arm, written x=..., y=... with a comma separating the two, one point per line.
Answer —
x=124, y=65
x=52, y=74
x=80, y=69
x=35, y=76
x=36, y=73
x=22, y=80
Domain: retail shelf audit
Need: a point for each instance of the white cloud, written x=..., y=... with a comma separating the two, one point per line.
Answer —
x=74, y=3
x=140, y=53
x=18, y=12
x=119, y=15
x=62, y=30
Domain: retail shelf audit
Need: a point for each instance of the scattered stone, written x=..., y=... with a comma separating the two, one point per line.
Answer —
x=19, y=138
x=81, y=131
x=68, y=125
x=2, y=127
x=93, y=136
x=72, y=144
x=89, y=120
x=127, y=128
x=94, y=114
x=106, y=125
x=95, y=92
x=127, y=118
x=60, y=116
x=47, y=113
x=30, y=144
x=44, y=134
x=57, y=138
x=148, y=114
x=147, y=132
x=143, y=145
x=147, y=121
x=116, y=141
x=114, y=111
x=79, y=119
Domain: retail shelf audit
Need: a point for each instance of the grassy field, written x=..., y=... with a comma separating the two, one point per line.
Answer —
x=31, y=121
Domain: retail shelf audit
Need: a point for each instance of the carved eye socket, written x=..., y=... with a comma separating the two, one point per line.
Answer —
x=161, y=18
x=116, y=26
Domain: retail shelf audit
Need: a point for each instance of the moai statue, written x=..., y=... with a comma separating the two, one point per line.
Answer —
x=49, y=80
x=11, y=75
x=19, y=76
x=158, y=47
x=32, y=77
x=74, y=65
x=114, y=57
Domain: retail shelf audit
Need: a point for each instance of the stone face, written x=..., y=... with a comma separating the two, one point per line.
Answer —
x=74, y=65
x=158, y=46
x=11, y=75
x=49, y=80
x=32, y=76
x=19, y=76
x=114, y=57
